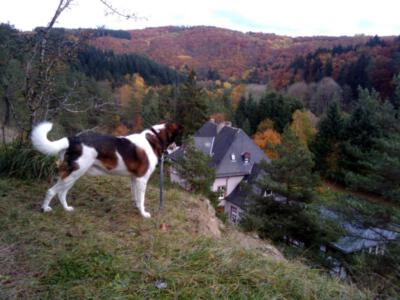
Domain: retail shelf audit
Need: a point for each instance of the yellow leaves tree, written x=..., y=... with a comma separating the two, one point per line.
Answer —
x=236, y=93
x=267, y=141
x=125, y=93
x=265, y=124
x=303, y=126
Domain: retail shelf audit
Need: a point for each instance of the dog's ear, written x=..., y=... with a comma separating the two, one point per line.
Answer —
x=175, y=127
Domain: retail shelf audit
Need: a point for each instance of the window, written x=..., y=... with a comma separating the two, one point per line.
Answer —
x=221, y=192
x=246, y=157
x=234, y=215
x=267, y=193
x=233, y=157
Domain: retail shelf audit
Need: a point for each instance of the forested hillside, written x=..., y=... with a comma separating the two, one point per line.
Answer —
x=259, y=57
x=324, y=109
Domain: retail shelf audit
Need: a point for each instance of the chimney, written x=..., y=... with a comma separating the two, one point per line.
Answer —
x=222, y=125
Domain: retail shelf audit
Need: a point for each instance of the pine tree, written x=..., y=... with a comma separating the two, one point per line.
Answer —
x=241, y=112
x=192, y=108
x=381, y=168
x=151, y=109
x=396, y=93
x=289, y=176
x=369, y=158
x=194, y=168
x=328, y=141
x=277, y=108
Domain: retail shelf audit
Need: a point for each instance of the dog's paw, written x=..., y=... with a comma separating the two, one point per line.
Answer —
x=69, y=208
x=46, y=209
x=146, y=215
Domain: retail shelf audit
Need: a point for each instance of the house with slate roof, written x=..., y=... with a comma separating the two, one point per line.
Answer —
x=233, y=157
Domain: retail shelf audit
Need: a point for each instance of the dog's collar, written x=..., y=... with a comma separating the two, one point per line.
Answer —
x=162, y=143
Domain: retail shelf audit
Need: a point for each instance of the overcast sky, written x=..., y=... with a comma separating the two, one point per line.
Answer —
x=294, y=18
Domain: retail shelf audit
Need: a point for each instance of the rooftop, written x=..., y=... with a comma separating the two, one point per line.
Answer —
x=232, y=151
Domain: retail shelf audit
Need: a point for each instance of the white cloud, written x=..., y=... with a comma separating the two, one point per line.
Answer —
x=307, y=17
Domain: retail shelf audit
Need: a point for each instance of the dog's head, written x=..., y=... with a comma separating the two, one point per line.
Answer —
x=173, y=131
x=168, y=132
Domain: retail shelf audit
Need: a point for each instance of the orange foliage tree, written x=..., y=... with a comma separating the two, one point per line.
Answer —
x=267, y=141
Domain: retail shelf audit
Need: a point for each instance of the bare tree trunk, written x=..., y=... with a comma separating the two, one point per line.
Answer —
x=6, y=118
x=37, y=88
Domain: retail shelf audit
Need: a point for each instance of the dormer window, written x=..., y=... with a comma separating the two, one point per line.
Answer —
x=267, y=193
x=233, y=157
x=246, y=157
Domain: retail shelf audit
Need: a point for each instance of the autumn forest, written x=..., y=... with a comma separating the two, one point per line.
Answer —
x=325, y=107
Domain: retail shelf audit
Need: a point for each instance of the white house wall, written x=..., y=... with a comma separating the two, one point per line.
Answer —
x=233, y=211
x=230, y=183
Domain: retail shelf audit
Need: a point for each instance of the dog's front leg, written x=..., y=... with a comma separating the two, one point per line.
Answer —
x=139, y=190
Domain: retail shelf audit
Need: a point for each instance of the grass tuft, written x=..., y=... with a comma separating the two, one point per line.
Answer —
x=21, y=161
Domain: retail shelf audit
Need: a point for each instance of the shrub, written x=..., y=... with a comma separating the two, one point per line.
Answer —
x=21, y=161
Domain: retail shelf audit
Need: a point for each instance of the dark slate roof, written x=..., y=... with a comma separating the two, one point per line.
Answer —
x=241, y=143
x=357, y=237
x=240, y=195
x=204, y=144
x=223, y=141
x=207, y=130
x=221, y=145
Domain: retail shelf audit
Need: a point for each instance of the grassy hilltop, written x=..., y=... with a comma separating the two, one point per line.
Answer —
x=105, y=250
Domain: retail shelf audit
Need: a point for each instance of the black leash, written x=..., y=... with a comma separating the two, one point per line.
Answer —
x=162, y=181
x=161, y=161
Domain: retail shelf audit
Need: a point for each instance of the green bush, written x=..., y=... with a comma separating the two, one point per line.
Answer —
x=20, y=160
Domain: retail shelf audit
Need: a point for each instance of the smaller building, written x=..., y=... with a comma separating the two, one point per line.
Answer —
x=358, y=237
x=233, y=157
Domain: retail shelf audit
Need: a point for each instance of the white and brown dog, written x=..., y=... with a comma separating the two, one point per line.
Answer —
x=135, y=155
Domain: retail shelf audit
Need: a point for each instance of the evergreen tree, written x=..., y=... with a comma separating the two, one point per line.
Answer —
x=251, y=114
x=151, y=109
x=241, y=112
x=192, y=108
x=289, y=176
x=278, y=108
x=328, y=141
x=328, y=68
x=246, y=127
x=369, y=158
x=396, y=93
x=194, y=168
x=381, y=168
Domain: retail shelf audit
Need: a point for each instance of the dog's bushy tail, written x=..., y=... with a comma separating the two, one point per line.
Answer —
x=43, y=144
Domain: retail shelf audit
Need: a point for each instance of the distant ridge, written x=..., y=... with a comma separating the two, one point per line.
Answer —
x=229, y=52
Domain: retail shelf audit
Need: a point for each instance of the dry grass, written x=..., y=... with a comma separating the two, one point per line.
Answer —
x=105, y=250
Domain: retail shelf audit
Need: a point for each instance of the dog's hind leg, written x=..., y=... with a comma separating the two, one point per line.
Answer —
x=67, y=179
x=62, y=196
x=61, y=188
x=49, y=196
x=85, y=162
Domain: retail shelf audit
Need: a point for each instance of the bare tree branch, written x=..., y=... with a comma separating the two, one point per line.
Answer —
x=117, y=12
